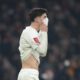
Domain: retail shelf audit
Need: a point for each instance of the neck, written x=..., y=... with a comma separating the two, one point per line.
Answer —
x=35, y=25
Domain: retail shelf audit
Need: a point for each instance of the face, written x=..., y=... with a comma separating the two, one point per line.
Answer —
x=41, y=18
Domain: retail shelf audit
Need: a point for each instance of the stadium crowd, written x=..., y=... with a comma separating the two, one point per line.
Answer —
x=63, y=56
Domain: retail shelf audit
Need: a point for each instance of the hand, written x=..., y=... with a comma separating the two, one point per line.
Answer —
x=44, y=28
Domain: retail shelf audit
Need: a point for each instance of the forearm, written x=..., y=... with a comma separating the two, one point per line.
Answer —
x=42, y=49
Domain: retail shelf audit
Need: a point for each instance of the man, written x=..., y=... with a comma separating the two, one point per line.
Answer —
x=33, y=44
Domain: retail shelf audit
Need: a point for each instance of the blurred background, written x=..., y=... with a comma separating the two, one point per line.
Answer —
x=63, y=57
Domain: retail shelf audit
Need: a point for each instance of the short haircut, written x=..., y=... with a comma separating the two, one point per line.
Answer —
x=35, y=12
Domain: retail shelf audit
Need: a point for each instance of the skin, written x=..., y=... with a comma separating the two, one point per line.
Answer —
x=31, y=62
x=38, y=24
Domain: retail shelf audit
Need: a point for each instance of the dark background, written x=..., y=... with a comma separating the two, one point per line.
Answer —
x=63, y=57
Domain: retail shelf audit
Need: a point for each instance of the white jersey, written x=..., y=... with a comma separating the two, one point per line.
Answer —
x=32, y=42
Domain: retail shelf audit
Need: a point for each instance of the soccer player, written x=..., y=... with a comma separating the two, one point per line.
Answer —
x=33, y=44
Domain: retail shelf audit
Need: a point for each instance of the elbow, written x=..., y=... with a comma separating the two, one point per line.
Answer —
x=43, y=53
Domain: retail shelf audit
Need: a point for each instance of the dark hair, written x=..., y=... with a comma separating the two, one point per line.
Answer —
x=36, y=12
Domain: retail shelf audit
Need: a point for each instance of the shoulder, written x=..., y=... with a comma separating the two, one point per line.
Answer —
x=30, y=31
x=27, y=30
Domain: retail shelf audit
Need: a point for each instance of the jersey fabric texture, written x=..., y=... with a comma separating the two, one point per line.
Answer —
x=33, y=42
